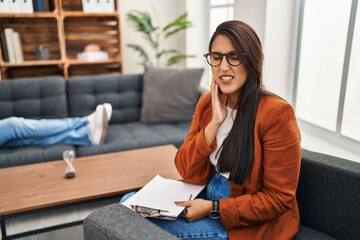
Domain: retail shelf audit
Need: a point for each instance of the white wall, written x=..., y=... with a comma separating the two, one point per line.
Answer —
x=162, y=12
x=252, y=12
x=197, y=37
x=279, y=47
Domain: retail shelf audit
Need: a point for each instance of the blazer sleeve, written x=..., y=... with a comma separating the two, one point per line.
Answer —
x=281, y=168
x=192, y=159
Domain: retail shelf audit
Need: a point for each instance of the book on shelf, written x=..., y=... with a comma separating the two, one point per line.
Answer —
x=9, y=44
x=15, y=6
x=98, y=6
x=107, y=6
x=17, y=47
x=46, y=5
x=4, y=6
x=157, y=198
x=89, y=6
x=41, y=5
x=13, y=46
x=26, y=6
x=4, y=50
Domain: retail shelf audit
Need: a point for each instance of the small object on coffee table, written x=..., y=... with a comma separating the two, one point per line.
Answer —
x=69, y=156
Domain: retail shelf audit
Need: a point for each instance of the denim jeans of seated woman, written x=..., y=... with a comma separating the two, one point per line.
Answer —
x=17, y=132
x=204, y=228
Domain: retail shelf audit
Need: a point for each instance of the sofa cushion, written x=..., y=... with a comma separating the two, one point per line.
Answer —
x=170, y=94
x=35, y=98
x=123, y=92
x=306, y=233
x=28, y=155
x=328, y=195
x=137, y=135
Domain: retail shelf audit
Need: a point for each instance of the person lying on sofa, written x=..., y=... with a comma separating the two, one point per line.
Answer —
x=244, y=144
x=79, y=131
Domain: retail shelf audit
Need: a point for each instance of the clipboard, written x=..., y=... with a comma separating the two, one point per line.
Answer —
x=156, y=199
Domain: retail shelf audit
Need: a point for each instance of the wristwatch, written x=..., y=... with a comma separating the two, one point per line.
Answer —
x=215, y=213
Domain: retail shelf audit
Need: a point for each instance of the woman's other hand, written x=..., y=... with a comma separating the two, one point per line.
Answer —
x=195, y=209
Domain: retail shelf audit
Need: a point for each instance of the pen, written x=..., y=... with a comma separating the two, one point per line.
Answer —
x=186, y=208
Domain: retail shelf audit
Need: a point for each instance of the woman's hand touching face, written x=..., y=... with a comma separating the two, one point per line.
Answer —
x=219, y=102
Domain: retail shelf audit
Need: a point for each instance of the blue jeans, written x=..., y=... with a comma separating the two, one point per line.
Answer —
x=204, y=228
x=17, y=132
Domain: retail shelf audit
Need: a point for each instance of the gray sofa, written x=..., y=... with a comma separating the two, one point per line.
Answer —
x=328, y=195
x=53, y=97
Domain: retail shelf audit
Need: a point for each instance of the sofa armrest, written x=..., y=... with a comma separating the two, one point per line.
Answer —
x=328, y=195
x=116, y=221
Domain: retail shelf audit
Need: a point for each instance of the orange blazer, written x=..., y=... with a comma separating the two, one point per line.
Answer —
x=265, y=206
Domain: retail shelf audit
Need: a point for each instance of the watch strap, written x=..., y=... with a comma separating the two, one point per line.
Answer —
x=215, y=206
x=215, y=210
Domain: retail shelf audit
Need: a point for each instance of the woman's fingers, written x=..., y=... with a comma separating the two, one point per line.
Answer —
x=196, y=209
x=214, y=87
x=216, y=90
x=215, y=93
x=183, y=203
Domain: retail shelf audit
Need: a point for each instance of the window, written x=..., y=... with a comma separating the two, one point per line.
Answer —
x=220, y=11
x=351, y=117
x=327, y=78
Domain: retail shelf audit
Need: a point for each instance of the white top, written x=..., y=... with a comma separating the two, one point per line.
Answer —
x=222, y=133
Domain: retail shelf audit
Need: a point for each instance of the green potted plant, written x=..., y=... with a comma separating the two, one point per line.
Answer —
x=156, y=36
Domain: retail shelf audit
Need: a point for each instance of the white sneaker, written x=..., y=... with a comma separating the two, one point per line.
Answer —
x=98, y=125
x=108, y=109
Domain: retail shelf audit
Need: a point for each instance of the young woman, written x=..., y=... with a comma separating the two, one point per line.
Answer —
x=244, y=143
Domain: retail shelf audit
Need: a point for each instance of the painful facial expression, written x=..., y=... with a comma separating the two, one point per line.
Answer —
x=229, y=78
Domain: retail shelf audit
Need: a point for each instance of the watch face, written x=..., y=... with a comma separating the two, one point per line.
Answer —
x=214, y=214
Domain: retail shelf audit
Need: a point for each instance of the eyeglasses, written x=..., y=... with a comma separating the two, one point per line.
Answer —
x=214, y=58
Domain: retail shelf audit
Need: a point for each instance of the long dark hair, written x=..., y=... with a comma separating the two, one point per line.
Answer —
x=237, y=150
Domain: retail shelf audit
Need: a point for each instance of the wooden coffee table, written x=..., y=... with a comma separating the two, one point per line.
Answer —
x=42, y=186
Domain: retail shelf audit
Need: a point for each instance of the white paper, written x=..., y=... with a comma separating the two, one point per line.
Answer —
x=161, y=193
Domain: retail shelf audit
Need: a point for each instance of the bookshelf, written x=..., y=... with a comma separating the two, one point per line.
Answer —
x=64, y=30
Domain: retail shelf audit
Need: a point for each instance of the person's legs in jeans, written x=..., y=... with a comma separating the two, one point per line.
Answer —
x=17, y=132
x=204, y=228
x=85, y=131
